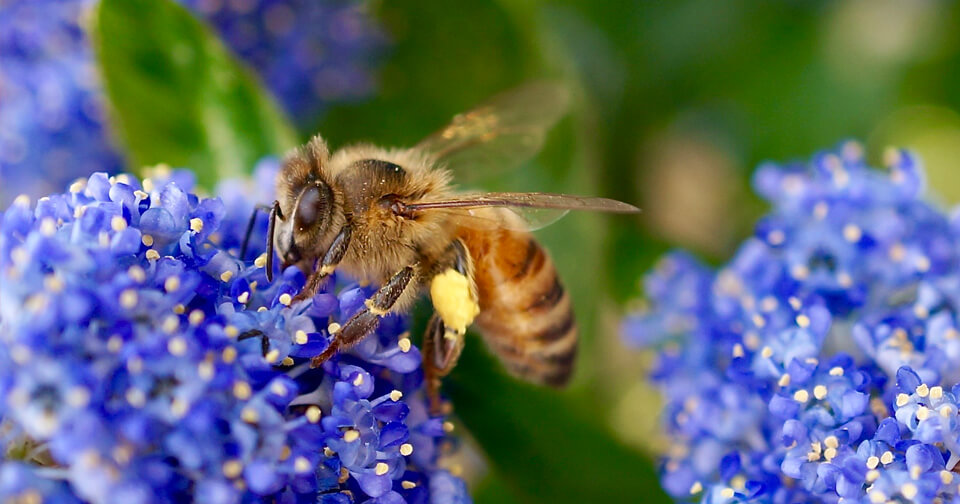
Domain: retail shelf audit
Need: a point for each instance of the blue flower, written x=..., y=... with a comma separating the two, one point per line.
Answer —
x=821, y=362
x=141, y=359
x=52, y=120
x=25, y=483
x=53, y=124
x=309, y=53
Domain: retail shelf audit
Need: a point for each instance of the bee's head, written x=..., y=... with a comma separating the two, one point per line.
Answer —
x=306, y=208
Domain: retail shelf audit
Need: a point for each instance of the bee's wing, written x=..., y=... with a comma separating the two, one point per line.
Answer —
x=516, y=219
x=499, y=134
x=525, y=211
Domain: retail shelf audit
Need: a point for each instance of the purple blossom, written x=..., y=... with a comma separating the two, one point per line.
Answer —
x=142, y=360
x=820, y=363
x=53, y=124
x=309, y=53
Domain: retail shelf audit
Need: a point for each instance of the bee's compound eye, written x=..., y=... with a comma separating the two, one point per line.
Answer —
x=310, y=208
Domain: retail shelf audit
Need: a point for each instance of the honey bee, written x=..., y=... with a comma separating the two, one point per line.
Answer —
x=392, y=218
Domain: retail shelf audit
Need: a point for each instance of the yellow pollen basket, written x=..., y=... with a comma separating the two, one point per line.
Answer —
x=453, y=300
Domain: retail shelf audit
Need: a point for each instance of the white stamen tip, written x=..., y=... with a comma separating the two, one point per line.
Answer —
x=249, y=415
x=232, y=468
x=118, y=223
x=909, y=490
x=313, y=414
x=820, y=391
x=300, y=337
x=242, y=390
x=902, y=399
x=272, y=356
x=171, y=283
x=177, y=346
x=301, y=465
x=128, y=298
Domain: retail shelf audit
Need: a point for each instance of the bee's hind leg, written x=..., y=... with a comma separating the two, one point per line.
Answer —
x=366, y=320
x=441, y=351
x=454, y=298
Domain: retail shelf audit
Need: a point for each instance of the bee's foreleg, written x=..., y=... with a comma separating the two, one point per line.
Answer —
x=366, y=320
x=441, y=350
x=327, y=265
x=249, y=232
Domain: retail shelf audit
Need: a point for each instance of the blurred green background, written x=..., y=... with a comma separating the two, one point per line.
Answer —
x=676, y=103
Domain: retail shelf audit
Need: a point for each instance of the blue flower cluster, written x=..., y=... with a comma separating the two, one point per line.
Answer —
x=52, y=125
x=142, y=361
x=821, y=363
x=52, y=113
x=308, y=52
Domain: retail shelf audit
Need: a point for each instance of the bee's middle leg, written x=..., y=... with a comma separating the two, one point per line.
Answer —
x=366, y=320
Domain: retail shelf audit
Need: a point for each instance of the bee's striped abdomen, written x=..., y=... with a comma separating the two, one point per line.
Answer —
x=525, y=313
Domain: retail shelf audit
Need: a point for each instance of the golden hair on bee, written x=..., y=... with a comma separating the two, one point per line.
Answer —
x=391, y=217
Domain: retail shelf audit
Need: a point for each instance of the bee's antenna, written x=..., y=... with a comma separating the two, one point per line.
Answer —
x=271, y=230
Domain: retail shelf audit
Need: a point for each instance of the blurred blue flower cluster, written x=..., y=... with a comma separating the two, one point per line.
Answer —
x=821, y=363
x=52, y=123
x=308, y=52
x=142, y=361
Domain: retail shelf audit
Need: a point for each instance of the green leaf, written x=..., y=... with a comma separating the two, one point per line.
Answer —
x=491, y=489
x=179, y=96
x=544, y=445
